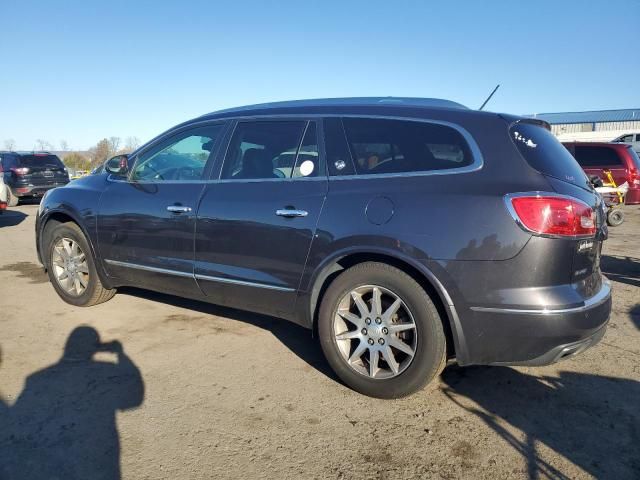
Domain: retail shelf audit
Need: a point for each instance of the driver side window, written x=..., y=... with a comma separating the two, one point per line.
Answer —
x=182, y=158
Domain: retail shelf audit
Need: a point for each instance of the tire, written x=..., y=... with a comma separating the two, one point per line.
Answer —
x=94, y=292
x=615, y=217
x=429, y=343
x=12, y=200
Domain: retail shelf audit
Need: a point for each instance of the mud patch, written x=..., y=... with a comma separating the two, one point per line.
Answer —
x=31, y=271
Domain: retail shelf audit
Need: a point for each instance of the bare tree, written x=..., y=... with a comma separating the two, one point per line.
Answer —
x=130, y=144
x=64, y=145
x=114, y=144
x=42, y=145
x=9, y=144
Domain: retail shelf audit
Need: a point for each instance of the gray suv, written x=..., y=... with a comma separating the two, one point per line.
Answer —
x=404, y=232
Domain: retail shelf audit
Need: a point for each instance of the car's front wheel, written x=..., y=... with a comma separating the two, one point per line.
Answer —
x=71, y=267
x=380, y=331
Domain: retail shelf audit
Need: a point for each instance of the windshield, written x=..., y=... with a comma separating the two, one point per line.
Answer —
x=546, y=154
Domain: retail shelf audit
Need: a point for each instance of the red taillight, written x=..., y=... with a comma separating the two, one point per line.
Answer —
x=20, y=171
x=3, y=205
x=553, y=215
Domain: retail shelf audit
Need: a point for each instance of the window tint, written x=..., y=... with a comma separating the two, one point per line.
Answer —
x=596, y=156
x=33, y=161
x=626, y=139
x=546, y=154
x=638, y=137
x=394, y=146
x=184, y=158
x=265, y=149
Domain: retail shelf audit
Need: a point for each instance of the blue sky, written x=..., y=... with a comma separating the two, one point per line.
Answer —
x=85, y=70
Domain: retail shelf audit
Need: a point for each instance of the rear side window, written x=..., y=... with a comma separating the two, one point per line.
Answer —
x=271, y=149
x=597, y=156
x=380, y=146
x=546, y=154
x=32, y=161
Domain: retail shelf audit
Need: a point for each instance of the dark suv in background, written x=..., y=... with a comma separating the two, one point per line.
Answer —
x=405, y=232
x=619, y=158
x=31, y=174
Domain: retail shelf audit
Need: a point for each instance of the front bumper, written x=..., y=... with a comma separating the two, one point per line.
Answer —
x=506, y=336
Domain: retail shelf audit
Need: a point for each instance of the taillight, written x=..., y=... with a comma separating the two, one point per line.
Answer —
x=634, y=177
x=3, y=205
x=552, y=215
x=20, y=170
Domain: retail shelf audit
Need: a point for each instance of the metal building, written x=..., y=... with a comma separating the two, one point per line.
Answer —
x=601, y=125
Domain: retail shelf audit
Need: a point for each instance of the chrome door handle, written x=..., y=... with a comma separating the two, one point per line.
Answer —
x=289, y=213
x=178, y=209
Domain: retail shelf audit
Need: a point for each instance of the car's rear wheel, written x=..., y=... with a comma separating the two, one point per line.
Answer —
x=71, y=267
x=615, y=217
x=380, y=331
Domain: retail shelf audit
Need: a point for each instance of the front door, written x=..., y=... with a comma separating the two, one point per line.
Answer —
x=256, y=223
x=146, y=222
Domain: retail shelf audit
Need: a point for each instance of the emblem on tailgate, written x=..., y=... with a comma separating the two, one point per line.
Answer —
x=585, y=245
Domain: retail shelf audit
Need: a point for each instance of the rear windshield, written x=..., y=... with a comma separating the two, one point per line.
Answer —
x=546, y=154
x=40, y=161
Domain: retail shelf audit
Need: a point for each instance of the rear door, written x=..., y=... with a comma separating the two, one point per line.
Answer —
x=146, y=222
x=257, y=220
x=595, y=160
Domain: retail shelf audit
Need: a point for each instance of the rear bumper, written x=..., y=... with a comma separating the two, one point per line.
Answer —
x=508, y=336
x=34, y=190
x=632, y=197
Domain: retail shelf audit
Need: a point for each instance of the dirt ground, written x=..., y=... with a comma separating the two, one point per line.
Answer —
x=196, y=391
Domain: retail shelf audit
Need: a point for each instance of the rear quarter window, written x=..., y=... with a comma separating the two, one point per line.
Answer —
x=382, y=146
x=546, y=154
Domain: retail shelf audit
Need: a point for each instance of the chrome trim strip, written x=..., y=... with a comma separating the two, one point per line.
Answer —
x=598, y=299
x=146, y=268
x=243, y=283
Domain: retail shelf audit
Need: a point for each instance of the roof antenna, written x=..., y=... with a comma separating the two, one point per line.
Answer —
x=489, y=97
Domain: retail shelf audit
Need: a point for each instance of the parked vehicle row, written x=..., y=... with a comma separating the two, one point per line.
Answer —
x=618, y=158
x=405, y=232
x=30, y=174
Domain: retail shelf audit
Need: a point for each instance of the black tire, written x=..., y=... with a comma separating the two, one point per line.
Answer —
x=95, y=292
x=431, y=348
x=615, y=217
x=12, y=200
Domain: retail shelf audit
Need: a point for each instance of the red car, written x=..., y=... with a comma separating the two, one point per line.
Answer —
x=620, y=158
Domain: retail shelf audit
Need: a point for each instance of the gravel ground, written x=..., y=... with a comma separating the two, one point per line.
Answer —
x=182, y=389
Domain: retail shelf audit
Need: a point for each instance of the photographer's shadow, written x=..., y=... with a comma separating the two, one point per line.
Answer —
x=63, y=424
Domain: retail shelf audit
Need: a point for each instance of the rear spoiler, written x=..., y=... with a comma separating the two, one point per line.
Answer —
x=512, y=119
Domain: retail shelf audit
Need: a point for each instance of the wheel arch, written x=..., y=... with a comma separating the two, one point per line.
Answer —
x=425, y=278
x=66, y=216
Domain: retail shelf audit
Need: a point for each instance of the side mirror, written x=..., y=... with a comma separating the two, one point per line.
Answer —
x=118, y=165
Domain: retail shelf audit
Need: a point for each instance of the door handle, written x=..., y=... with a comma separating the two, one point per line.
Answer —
x=178, y=209
x=290, y=213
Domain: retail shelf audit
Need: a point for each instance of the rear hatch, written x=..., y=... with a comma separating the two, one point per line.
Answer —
x=547, y=155
x=41, y=169
x=596, y=159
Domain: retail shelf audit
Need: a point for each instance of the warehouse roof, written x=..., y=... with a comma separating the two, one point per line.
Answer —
x=629, y=114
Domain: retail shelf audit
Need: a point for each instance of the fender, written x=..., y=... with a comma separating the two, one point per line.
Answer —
x=78, y=220
x=309, y=298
